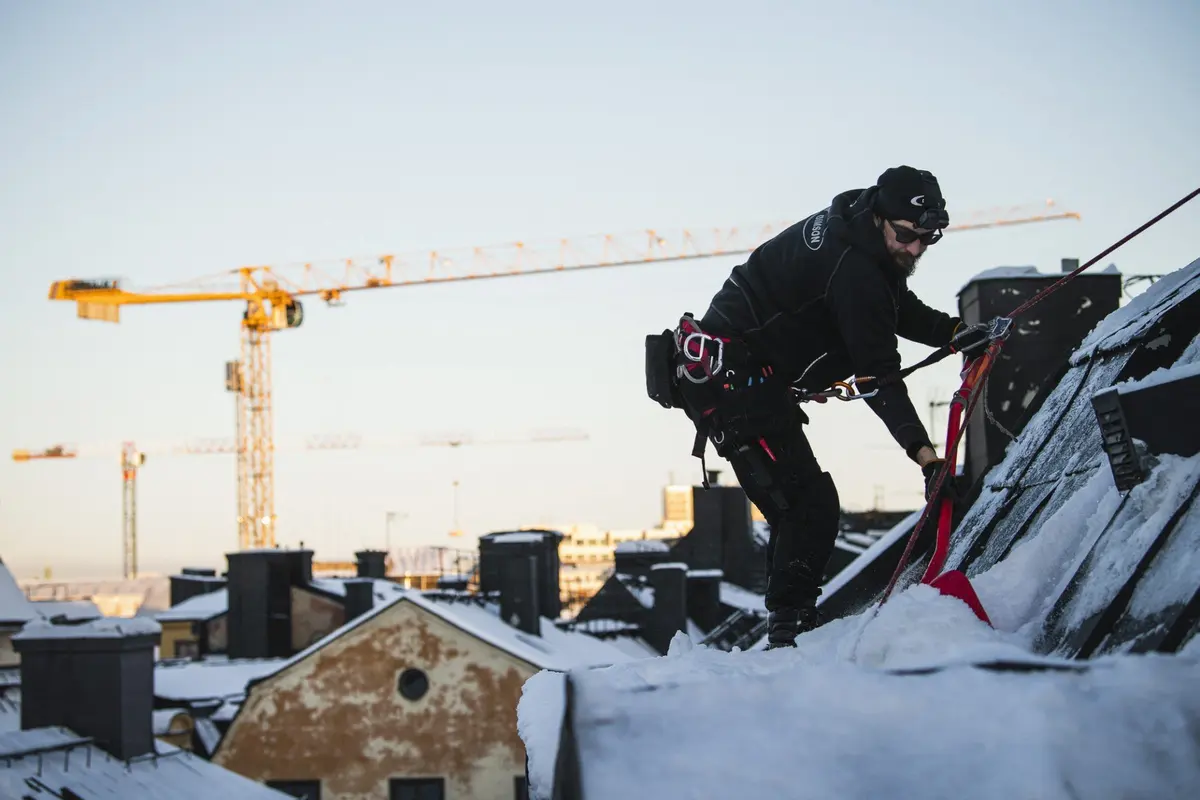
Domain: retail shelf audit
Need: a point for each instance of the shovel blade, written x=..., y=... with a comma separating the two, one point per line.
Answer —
x=956, y=584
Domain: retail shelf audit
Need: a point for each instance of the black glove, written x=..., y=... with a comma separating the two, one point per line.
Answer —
x=971, y=341
x=949, y=490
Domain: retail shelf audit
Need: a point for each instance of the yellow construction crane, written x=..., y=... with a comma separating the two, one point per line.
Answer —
x=133, y=457
x=272, y=295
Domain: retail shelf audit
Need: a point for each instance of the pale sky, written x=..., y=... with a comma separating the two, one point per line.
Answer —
x=163, y=142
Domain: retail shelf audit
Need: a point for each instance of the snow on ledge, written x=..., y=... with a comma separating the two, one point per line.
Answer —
x=642, y=546
x=103, y=628
x=519, y=537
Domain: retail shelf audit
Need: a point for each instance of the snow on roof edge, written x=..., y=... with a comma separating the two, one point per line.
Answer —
x=1131, y=321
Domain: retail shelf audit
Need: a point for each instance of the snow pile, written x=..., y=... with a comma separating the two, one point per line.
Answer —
x=836, y=716
x=712, y=724
x=539, y=717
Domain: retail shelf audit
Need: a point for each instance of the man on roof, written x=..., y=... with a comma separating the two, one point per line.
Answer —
x=823, y=300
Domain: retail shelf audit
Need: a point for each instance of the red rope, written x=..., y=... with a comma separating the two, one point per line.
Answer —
x=981, y=380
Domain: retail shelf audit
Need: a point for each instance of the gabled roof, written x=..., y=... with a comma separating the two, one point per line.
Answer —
x=206, y=606
x=554, y=649
x=47, y=763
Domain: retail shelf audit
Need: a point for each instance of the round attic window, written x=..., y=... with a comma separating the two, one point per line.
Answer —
x=413, y=684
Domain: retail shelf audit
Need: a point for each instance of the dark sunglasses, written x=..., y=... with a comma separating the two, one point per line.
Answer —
x=908, y=235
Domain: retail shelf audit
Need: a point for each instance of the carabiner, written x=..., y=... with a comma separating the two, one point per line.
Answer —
x=850, y=389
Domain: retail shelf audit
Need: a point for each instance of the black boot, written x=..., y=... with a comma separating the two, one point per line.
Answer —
x=785, y=624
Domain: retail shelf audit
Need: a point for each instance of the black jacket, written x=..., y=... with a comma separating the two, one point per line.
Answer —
x=820, y=302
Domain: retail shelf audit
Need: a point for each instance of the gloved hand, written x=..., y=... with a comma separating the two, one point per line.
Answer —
x=971, y=341
x=949, y=489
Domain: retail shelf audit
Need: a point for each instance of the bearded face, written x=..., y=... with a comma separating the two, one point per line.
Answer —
x=905, y=245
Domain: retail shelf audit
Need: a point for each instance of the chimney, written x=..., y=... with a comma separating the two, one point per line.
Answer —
x=742, y=558
x=519, y=594
x=1070, y=264
x=704, y=597
x=360, y=597
x=260, y=600
x=637, y=556
x=701, y=547
x=669, y=613
x=495, y=550
x=96, y=678
x=1034, y=357
x=371, y=563
x=192, y=582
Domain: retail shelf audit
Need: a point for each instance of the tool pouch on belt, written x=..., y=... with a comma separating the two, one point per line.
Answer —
x=660, y=370
x=730, y=395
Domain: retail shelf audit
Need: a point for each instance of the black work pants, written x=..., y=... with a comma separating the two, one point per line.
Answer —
x=801, y=506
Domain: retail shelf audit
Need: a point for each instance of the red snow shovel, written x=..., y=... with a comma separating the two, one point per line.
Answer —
x=954, y=583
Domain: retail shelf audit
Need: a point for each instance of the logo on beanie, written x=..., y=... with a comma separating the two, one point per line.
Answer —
x=918, y=201
x=814, y=230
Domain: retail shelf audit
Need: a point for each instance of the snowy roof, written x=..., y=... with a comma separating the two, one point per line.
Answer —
x=638, y=587
x=519, y=537
x=102, y=628
x=802, y=723
x=1016, y=273
x=10, y=709
x=1091, y=593
x=642, y=546
x=198, y=608
x=1136, y=318
x=384, y=589
x=70, y=610
x=209, y=679
x=14, y=605
x=50, y=763
x=737, y=597
x=554, y=649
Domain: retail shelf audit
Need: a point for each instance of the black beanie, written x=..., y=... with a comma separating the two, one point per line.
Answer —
x=908, y=194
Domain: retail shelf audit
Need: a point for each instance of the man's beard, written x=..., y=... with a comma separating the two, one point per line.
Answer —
x=903, y=263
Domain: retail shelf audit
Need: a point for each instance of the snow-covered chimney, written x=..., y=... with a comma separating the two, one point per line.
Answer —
x=96, y=679
x=669, y=613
